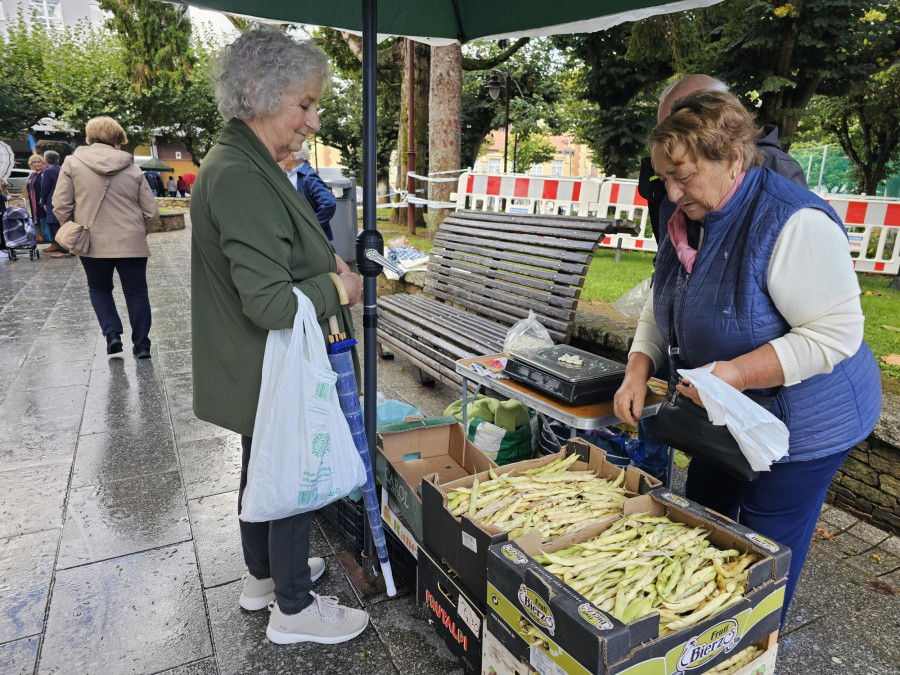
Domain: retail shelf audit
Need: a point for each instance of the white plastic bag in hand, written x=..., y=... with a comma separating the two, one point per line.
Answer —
x=762, y=437
x=303, y=455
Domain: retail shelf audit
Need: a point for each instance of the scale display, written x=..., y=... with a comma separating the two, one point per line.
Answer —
x=567, y=373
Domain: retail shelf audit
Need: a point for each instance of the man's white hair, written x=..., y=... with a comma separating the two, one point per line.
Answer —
x=302, y=155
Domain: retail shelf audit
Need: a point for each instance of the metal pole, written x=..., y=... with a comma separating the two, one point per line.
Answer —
x=822, y=169
x=808, y=168
x=515, y=151
x=370, y=238
x=506, y=123
x=411, y=124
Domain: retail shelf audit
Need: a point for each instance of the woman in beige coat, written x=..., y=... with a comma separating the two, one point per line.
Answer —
x=127, y=212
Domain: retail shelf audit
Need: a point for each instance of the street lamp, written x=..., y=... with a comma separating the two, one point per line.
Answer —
x=493, y=86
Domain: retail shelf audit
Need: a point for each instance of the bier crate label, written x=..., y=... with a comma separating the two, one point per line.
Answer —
x=594, y=616
x=701, y=649
x=513, y=554
x=536, y=608
x=676, y=499
x=760, y=540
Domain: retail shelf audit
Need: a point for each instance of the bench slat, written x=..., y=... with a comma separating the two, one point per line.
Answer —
x=478, y=269
x=598, y=225
x=417, y=324
x=429, y=312
x=504, y=237
x=506, y=228
x=565, y=256
x=554, y=305
x=544, y=266
x=505, y=309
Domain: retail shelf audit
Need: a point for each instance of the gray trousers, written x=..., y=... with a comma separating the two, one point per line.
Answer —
x=278, y=549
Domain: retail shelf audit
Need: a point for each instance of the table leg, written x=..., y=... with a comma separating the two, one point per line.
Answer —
x=466, y=400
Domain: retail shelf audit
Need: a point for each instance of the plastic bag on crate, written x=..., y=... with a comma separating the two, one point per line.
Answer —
x=526, y=334
x=303, y=455
x=632, y=302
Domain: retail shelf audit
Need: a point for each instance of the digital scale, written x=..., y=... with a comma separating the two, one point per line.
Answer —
x=595, y=379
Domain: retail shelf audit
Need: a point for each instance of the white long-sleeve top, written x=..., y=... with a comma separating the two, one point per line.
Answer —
x=814, y=287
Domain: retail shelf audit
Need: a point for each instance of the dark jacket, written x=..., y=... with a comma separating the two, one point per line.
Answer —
x=722, y=309
x=660, y=209
x=313, y=188
x=254, y=239
x=49, y=176
x=33, y=192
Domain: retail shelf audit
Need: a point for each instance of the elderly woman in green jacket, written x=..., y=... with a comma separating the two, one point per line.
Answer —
x=254, y=240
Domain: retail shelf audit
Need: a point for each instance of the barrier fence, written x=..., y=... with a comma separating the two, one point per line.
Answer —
x=873, y=223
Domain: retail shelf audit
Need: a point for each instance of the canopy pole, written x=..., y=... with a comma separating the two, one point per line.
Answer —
x=368, y=239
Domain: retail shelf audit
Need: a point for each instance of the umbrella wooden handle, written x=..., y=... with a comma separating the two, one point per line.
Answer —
x=339, y=285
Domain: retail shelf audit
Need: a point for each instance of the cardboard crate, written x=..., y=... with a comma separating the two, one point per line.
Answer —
x=463, y=543
x=452, y=613
x=409, y=451
x=394, y=522
x=583, y=640
x=497, y=660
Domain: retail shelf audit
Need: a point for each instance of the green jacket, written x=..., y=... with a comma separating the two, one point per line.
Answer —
x=254, y=238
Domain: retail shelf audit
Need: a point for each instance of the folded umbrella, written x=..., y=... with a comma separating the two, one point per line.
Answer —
x=341, y=358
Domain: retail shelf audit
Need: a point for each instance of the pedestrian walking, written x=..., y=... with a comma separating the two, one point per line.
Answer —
x=182, y=186
x=254, y=240
x=49, y=177
x=35, y=207
x=171, y=187
x=101, y=183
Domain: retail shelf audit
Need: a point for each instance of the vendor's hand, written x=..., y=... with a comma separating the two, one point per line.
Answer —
x=628, y=403
x=353, y=286
x=342, y=267
x=724, y=370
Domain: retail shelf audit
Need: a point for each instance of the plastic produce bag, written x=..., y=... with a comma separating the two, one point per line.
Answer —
x=762, y=437
x=526, y=334
x=303, y=456
x=632, y=302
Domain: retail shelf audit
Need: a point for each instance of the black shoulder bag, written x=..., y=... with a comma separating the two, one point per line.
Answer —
x=680, y=423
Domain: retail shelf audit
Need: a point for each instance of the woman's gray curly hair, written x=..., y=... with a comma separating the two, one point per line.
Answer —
x=259, y=67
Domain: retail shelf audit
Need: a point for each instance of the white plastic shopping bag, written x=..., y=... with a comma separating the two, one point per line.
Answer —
x=762, y=437
x=303, y=456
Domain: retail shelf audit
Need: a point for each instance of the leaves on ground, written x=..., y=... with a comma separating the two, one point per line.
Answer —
x=891, y=359
x=825, y=534
x=893, y=328
x=881, y=587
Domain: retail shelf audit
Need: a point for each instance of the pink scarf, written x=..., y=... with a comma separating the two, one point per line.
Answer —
x=678, y=227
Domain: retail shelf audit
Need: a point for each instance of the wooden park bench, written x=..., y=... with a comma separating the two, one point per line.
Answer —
x=486, y=271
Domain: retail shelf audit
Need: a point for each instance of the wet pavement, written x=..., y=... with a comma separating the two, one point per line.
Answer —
x=119, y=547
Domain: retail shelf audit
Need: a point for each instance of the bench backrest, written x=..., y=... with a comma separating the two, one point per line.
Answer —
x=500, y=265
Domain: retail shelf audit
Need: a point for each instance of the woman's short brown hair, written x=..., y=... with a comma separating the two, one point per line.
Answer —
x=712, y=125
x=105, y=130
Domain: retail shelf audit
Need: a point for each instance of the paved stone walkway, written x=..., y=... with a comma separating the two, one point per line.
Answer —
x=119, y=549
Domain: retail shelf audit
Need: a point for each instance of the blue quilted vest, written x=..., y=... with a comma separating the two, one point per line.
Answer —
x=723, y=309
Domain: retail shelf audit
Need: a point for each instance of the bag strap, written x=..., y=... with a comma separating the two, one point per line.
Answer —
x=100, y=203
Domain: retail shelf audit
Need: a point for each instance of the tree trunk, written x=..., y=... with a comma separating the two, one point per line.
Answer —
x=422, y=77
x=445, y=115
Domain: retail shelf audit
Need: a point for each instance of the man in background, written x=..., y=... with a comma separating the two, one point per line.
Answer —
x=312, y=187
x=651, y=188
x=49, y=176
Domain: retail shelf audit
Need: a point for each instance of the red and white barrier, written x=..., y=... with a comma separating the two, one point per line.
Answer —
x=619, y=198
x=873, y=226
x=527, y=194
x=873, y=223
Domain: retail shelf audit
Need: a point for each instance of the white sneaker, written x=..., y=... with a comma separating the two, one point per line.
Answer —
x=324, y=621
x=258, y=593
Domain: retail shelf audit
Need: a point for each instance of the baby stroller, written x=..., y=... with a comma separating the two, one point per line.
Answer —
x=18, y=232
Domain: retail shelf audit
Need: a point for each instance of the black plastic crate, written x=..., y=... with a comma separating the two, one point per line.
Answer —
x=349, y=518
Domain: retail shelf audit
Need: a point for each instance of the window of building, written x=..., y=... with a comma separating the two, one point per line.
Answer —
x=47, y=12
x=494, y=166
x=537, y=169
x=557, y=168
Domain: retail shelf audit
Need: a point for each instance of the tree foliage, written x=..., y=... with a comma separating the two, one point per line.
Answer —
x=616, y=89
x=866, y=122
